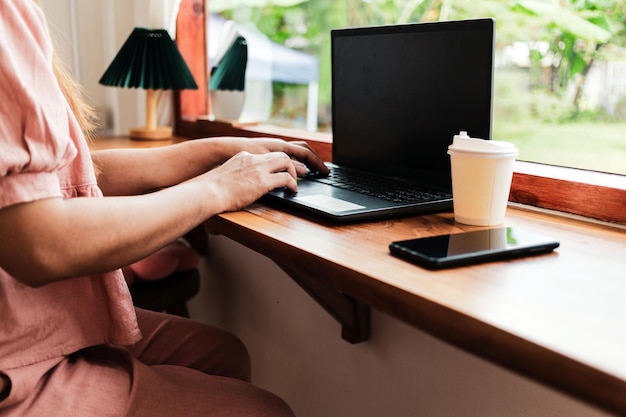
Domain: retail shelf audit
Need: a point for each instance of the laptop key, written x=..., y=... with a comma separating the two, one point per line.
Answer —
x=389, y=189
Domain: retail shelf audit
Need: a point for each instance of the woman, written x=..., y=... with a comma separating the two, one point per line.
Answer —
x=71, y=342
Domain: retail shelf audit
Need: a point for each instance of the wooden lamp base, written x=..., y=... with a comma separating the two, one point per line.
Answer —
x=151, y=131
x=146, y=133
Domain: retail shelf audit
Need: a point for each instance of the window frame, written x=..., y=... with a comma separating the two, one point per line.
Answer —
x=590, y=194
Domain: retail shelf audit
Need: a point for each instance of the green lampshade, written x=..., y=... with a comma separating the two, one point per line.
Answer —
x=149, y=59
x=230, y=72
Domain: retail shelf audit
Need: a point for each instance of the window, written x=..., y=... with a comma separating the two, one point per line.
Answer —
x=592, y=194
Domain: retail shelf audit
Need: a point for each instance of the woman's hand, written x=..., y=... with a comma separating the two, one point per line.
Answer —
x=246, y=177
x=296, y=150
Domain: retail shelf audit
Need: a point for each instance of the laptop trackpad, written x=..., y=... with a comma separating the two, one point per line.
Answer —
x=328, y=202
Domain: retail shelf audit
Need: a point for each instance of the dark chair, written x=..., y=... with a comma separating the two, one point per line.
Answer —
x=172, y=293
x=169, y=295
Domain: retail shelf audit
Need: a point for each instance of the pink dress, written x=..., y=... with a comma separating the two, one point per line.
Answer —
x=44, y=155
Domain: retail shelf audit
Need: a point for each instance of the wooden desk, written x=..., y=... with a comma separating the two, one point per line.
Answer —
x=558, y=318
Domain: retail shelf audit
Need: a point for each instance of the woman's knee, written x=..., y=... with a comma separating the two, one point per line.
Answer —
x=234, y=358
x=179, y=341
x=166, y=391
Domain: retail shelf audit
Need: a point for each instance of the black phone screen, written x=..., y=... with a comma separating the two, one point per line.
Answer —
x=472, y=247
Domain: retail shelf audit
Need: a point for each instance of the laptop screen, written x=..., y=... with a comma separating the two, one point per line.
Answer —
x=400, y=93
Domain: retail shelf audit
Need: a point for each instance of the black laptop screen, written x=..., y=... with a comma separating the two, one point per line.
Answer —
x=400, y=93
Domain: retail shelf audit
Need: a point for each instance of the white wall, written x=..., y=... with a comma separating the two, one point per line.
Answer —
x=296, y=347
x=88, y=34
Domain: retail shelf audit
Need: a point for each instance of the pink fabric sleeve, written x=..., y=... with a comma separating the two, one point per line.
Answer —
x=34, y=129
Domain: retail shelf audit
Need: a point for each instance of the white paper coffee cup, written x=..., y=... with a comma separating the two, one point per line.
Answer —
x=482, y=171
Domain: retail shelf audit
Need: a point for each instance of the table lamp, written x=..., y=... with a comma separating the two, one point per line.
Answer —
x=149, y=59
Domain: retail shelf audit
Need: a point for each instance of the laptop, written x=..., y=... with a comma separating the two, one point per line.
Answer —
x=399, y=95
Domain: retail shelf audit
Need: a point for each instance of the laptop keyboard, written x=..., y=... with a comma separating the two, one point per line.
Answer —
x=386, y=188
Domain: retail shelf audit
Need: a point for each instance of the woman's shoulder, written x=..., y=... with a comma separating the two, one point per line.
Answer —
x=21, y=15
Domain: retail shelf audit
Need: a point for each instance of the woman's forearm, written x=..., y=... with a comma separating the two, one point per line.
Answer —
x=137, y=171
x=84, y=236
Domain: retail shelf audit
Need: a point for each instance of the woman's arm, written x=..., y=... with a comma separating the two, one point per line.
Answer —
x=54, y=239
x=137, y=171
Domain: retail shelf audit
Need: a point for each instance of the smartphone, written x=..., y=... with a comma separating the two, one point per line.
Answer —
x=445, y=251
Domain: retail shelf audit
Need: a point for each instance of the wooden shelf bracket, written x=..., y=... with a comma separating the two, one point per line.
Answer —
x=353, y=315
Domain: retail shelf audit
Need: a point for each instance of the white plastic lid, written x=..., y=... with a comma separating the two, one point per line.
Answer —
x=462, y=143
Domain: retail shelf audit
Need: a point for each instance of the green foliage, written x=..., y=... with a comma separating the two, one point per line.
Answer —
x=576, y=30
x=288, y=109
x=584, y=116
x=545, y=106
x=220, y=6
x=593, y=146
x=513, y=101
